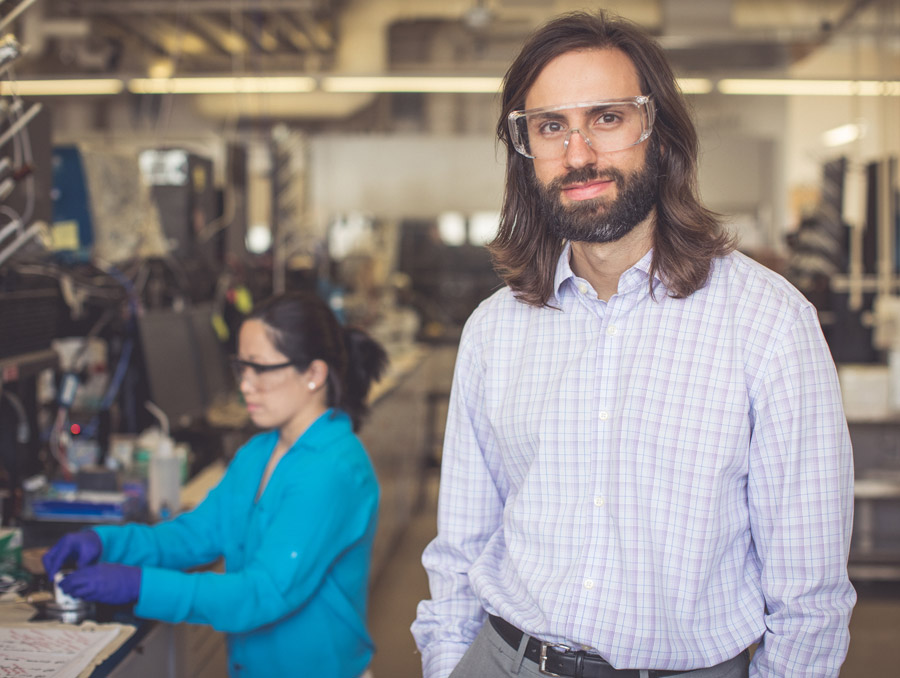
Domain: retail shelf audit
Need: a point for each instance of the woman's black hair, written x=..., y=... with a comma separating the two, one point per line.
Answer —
x=303, y=328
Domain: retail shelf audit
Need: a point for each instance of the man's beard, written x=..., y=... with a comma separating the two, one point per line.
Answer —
x=601, y=219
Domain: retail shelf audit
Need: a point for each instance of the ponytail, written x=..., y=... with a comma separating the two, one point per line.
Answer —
x=366, y=363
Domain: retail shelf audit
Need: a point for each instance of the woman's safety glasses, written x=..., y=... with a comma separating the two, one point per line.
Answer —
x=258, y=375
x=605, y=126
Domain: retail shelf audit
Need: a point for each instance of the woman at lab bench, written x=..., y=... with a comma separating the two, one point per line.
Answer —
x=293, y=517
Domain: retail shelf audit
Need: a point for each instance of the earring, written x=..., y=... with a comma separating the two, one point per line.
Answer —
x=312, y=386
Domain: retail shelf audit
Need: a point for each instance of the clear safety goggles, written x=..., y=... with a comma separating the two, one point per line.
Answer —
x=606, y=126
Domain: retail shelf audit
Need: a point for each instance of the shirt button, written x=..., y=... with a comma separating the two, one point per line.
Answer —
x=604, y=415
x=599, y=501
x=588, y=583
x=611, y=330
x=582, y=288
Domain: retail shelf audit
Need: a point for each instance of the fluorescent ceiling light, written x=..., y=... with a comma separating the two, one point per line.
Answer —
x=810, y=87
x=223, y=85
x=258, y=239
x=843, y=134
x=412, y=83
x=452, y=228
x=483, y=227
x=695, y=85
x=37, y=88
x=451, y=84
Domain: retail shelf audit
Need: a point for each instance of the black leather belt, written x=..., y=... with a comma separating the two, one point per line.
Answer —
x=560, y=660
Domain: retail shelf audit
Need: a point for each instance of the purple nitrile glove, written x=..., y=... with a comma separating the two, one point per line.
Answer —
x=104, y=583
x=84, y=547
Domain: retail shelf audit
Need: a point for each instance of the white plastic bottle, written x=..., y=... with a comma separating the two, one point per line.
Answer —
x=164, y=480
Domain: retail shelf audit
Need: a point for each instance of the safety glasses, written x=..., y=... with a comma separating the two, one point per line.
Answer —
x=606, y=126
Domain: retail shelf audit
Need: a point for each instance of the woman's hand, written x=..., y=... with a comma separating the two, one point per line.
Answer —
x=104, y=583
x=84, y=547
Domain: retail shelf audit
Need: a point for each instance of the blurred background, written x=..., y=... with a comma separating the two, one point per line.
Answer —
x=164, y=163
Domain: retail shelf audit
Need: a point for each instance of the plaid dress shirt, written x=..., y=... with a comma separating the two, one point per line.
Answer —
x=662, y=481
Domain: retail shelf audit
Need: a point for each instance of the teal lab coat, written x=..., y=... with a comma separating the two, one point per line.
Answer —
x=292, y=599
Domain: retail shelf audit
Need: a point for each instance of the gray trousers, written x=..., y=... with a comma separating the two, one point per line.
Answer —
x=490, y=657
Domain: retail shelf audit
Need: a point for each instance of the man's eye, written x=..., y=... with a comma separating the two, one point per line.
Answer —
x=551, y=127
x=606, y=119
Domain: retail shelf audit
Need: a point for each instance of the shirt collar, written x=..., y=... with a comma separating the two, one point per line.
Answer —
x=639, y=273
x=331, y=425
x=563, y=269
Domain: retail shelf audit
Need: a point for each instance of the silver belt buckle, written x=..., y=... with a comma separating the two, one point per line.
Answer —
x=542, y=666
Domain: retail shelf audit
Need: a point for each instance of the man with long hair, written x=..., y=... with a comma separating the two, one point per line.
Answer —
x=646, y=469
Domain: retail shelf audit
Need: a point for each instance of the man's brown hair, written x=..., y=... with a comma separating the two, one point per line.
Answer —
x=687, y=235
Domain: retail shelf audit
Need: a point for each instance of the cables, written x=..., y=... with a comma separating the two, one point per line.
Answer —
x=14, y=14
x=20, y=123
x=14, y=225
x=21, y=168
x=118, y=376
x=22, y=432
x=37, y=230
x=59, y=439
x=10, y=51
x=24, y=166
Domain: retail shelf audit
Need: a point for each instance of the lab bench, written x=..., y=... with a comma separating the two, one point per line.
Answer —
x=159, y=650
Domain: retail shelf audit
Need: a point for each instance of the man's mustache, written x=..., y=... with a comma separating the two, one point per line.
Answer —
x=585, y=174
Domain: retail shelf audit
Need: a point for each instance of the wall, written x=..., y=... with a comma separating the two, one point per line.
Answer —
x=396, y=176
x=742, y=161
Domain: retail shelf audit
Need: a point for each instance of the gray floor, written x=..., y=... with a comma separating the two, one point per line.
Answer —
x=874, y=629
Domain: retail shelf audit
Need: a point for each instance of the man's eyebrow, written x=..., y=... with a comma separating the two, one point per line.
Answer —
x=602, y=106
x=549, y=115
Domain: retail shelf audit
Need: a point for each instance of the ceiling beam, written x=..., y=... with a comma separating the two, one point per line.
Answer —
x=129, y=29
x=291, y=30
x=284, y=35
x=801, y=50
x=319, y=38
x=246, y=27
x=200, y=27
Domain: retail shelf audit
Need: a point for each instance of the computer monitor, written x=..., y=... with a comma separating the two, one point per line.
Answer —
x=215, y=373
x=185, y=363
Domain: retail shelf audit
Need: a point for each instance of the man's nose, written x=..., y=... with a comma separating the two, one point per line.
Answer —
x=579, y=151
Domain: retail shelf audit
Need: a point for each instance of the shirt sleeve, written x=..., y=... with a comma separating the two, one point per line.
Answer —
x=469, y=512
x=314, y=525
x=800, y=492
x=189, y=540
